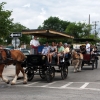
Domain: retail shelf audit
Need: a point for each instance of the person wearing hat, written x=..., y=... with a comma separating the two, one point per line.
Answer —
x=34, y=43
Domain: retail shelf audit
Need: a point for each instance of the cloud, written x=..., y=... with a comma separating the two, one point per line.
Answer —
x=32, y=13
x=27, y=5
x=43, y=12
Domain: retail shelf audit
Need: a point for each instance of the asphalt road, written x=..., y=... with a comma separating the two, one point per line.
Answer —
x=84, y=85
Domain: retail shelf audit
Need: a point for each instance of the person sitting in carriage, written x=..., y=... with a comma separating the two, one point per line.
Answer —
x=93, y=52
x=40, y=48
x=46, y=49
x=66, y=50
x=52, y=52
x=60, y=51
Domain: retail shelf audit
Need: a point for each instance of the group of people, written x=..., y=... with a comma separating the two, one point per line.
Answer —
x=88, y=49
x=55, y=49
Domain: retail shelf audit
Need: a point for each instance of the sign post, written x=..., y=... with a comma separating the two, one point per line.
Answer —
x=16, y=34
x=15, y=40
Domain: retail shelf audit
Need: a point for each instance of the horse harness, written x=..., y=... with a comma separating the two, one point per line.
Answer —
x=8, y=56
x=77, y=58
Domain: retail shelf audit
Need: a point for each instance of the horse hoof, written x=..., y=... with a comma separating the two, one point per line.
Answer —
x=8, y=82
x=24, y=82
x=12, y=83
x=74, y=71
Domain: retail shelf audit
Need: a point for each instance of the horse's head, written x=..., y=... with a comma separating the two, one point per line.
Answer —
x=2, y=54
x=75, y=55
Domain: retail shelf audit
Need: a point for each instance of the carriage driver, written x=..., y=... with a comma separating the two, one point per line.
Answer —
x=34, y=43
x=87, y=47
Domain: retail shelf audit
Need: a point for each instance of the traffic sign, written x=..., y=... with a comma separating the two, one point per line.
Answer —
x=15, y=42
x=16, y=34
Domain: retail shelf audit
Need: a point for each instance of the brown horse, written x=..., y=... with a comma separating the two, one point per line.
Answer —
x=15, y=57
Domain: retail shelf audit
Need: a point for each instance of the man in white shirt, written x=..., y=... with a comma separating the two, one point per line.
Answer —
x=87, y=47
x=34, y=43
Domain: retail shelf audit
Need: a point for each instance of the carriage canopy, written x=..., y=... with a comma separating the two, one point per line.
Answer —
x=46, y=33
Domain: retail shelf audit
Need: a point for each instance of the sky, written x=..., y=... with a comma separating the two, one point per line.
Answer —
x=32, y=13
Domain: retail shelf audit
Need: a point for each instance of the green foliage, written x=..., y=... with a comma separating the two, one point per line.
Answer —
x=17, y=27
x=7, y=26
x=79, y=30
x=54, y=23
x=5, y=22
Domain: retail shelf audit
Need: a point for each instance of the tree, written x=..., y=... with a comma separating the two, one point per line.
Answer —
x=79, y=30
x=5, y=22
x=54, y=23
x=17, y=27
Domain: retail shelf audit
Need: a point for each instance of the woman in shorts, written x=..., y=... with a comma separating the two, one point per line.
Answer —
x=52, y=52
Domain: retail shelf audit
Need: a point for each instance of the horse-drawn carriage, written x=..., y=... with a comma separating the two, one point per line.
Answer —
x=89, y=59
x=38, y=64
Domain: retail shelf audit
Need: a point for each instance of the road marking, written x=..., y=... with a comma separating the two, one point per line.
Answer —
x=71, y=88
x=85, y=85
x=48, y=84
x=31, y=84
x=66, y=85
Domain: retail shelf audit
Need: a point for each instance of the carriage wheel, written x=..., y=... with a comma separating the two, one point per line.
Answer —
x=82, y=64
x=93, y=65
x=96, y=63
x=42, y=72
x=30, y=74
x=50, y=74
x=64, y=71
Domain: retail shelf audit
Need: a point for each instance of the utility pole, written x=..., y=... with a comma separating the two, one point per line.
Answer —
x=95, y=24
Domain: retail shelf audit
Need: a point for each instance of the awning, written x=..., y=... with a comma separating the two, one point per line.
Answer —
x=46, y=33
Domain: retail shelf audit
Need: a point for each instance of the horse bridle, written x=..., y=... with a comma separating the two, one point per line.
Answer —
x=4, y=59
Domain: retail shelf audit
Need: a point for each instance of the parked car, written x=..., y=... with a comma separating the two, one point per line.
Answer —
x=98, y=53
x=25, y=51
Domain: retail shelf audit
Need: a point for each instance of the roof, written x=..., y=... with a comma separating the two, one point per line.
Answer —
x=46, y=33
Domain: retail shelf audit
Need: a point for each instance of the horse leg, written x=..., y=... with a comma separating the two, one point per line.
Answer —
x=24, y=75
x=76, y=66
x=80, y=64
x=3, y=78
x=16, y=75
